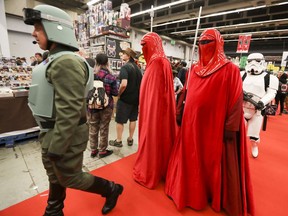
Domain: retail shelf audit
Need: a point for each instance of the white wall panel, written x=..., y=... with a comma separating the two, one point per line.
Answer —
x=4, y=47
x=21, y=45
x=15, y=6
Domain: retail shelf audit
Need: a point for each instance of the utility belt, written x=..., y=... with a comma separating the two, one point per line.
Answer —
x=50, y=124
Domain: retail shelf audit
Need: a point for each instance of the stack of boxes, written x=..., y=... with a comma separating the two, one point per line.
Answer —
x=99, y=20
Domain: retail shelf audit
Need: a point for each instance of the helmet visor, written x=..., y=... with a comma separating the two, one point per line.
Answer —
x=31, y=16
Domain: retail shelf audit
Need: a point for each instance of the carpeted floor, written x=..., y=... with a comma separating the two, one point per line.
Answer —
x=270, y=170
x=269, y=176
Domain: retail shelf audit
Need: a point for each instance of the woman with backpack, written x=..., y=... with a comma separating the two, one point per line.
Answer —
x=282, y=91
x=99, y=117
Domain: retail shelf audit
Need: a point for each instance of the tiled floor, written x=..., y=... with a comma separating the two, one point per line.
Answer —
x=22, y=174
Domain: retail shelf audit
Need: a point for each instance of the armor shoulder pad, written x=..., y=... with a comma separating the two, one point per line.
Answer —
x=274, y=82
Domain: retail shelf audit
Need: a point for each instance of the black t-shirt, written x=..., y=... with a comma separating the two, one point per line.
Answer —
x=182, y=75
x=132, y=73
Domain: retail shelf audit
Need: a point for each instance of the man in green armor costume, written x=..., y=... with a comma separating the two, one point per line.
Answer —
x=57, y=100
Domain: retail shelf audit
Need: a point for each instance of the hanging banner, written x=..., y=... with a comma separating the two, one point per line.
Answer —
x=243, y=43
x=284, y=62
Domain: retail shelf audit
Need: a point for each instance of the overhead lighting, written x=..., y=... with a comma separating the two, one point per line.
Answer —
x=257, y=33
x=159, y=7
x=92, y=2
x=271, y=32
x=211, y=15
x=259, y=38
x=282, y=3
x=234, y=26
x=221, y=13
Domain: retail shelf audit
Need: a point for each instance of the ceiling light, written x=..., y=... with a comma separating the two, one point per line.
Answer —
x=235, y=26
x=222, y=13
x=252, y=33
x=92, y=2
x=159, y=7
x=259, y=38
x=256, y=32
x=212, y=15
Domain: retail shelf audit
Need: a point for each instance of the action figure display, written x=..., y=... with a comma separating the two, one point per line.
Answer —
x=259, y=90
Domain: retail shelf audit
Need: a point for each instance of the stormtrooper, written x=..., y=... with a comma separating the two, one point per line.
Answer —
x=259, y=89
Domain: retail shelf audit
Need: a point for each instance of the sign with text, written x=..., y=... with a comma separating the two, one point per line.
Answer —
x=243, y=43
x=284, y=62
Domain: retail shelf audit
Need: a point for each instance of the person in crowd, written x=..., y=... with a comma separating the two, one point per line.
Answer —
x=45, y=55
x=285, y=110
x=209, y=161
x=128, y=98
x=99, y=119
x=157, y=115
x=57, y=99
x=33, y=61
x=18, y=61
x=260, y=87
x=177, y=83
x=90, y=61
x=182, y=72
x=282, y=91
x=175, y=64
x=23, y=61
x=39, y=57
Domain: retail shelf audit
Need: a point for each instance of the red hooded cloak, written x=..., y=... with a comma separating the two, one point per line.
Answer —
x=157, y=122
x=205, y=165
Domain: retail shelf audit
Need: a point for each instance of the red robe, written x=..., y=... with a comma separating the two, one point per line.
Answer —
x=157, y=120
x=203, y=168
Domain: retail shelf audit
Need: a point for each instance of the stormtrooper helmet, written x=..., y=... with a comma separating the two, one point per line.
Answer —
x=255, y=63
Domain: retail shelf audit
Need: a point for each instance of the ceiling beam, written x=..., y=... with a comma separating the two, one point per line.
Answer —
x=210, y=9
x=237, y=26
x=130, y=3
x=75, y=6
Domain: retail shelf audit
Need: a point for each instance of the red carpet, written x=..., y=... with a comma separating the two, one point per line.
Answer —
x=270, y=170
x=269, y=176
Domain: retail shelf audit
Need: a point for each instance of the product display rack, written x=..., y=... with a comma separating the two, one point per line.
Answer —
x=103, y=30
x=17, y=122
x=14, y=77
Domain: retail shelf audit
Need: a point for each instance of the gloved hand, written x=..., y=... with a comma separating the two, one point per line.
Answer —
x=260, y=105
x=54, y=157
x=229, y=135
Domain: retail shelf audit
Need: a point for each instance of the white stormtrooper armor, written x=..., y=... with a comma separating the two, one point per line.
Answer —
x=254, y=86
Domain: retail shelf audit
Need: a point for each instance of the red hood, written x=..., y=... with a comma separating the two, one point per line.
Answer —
x=218, y=58
x=152, y=47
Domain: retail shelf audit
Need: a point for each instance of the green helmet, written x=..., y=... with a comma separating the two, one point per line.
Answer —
x=57, y=24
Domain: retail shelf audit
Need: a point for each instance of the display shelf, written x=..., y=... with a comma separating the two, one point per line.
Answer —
x=99, y=21
x=8, y=139
x=98, y=44
x=123, y=33
x=13, y=76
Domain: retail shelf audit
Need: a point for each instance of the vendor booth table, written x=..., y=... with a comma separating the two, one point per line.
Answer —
x=15, y=119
